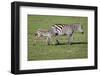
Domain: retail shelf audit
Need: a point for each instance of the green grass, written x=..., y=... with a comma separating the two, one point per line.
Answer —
x=38, y=48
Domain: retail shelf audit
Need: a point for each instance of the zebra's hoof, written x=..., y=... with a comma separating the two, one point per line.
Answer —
x=70, y=43
x=48, y=44
x=57, y=44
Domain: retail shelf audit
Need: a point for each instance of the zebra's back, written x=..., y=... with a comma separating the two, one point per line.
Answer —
x=66, y=28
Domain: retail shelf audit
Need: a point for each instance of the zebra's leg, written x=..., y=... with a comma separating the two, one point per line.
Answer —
x=48, y=40
x=70, y=39
x=57, y=41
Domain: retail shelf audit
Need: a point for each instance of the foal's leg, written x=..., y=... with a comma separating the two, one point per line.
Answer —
x=48, y=40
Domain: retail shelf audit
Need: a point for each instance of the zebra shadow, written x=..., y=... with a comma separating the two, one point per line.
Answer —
x=79, y=43
x=73, y=43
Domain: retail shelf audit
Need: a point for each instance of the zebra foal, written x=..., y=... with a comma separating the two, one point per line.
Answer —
x=44, y=33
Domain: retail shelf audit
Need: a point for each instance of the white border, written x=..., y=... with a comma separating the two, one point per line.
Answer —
x=26, y=65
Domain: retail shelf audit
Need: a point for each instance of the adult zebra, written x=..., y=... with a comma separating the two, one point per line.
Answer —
x=66, y=29
x=60, y=29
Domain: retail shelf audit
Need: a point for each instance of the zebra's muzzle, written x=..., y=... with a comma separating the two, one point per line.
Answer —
x=35, y=34
x=82, y=32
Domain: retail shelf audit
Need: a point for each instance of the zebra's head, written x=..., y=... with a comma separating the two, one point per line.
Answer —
x=79, y=28
x=38, y=33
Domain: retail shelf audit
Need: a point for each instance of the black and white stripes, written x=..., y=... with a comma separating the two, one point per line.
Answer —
x=66, y=28
x=58, y=28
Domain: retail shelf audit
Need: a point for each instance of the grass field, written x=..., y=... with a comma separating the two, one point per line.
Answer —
x=38, y=48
